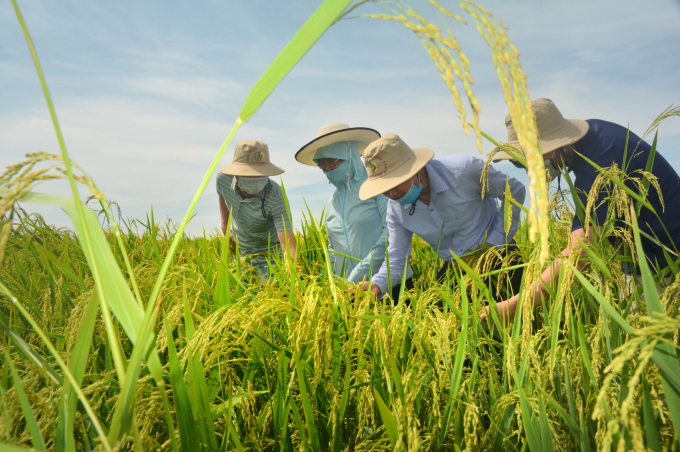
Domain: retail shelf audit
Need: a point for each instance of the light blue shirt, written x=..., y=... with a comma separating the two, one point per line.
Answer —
x=457, y=219
x=354, y=227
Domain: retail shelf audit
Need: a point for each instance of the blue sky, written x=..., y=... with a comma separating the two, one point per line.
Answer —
x=147, y=91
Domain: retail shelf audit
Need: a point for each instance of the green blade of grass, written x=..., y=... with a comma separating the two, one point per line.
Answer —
x=651, y=430
x=62, y=365
x=388, y=419
x=306, y=36
x=117, y=294
x=77, y=364
x=36, y=436
x=665, y=355
x=185, y=419
x=312, y=431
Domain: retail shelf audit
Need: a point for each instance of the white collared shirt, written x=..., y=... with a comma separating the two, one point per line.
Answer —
x=457, y=219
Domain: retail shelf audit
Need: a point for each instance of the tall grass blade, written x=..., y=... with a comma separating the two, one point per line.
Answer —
x=36, y=436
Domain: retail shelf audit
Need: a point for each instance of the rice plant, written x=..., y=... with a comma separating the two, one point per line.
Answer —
x=135, y=336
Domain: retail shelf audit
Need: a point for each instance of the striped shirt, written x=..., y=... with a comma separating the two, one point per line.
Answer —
x=457, y=219
x=255, y=233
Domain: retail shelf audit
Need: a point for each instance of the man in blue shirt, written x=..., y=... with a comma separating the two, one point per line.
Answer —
x=441, y=200
x=566, y=144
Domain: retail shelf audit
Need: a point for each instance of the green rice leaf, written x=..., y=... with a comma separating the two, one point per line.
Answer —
x=388, y=419
x=307, y=407
x=546, y=431
x=185, y=418
x=77, y=364
x=113, y=285
x=651, y=430
x=306, y=36
x=36, y=436
x=665, y=356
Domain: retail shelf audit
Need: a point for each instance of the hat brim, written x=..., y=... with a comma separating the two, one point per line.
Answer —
x=408, y=169
x=239, y=169
x=571, y=131
x=362, y=135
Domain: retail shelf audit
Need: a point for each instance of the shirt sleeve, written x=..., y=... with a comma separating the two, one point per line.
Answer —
x=377, y=254
x=277, y=209
x=398, y=251
x=495, y=187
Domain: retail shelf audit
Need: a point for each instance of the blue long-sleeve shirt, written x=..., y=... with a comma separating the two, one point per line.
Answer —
x=457, y=214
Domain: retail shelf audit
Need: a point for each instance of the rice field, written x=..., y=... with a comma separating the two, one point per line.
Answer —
x=127, y=334
x=303, y=363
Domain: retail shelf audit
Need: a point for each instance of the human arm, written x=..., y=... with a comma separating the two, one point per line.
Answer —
x=495, y=187
x=282, y=222
x=538, y=292
x=376, y=256
x=398, y=251
x=287, y=239
x=224, y=215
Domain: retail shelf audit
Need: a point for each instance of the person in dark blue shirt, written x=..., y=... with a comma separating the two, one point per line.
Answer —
x=569, y=144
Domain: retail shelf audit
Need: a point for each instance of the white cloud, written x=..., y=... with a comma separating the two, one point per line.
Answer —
x=197, y=90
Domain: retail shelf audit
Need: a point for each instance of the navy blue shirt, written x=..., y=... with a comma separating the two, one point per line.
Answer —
x=604, y=144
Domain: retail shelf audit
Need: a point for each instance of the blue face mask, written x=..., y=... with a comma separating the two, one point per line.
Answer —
x=338, y=174
x=412, y=194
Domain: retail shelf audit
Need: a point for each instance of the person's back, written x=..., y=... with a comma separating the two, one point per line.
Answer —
x=605, y=145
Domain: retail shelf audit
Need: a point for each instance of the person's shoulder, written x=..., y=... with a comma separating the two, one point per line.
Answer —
x=221, y=177
x=223, y=182
x=394, y=209
x=451, y=161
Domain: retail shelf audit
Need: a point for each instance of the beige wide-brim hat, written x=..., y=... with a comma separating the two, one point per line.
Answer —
x=251, y=158
x=391, y=162
x=335, y=133
x=554, y=131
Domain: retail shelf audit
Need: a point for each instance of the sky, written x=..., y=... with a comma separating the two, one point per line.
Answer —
x=146, y=92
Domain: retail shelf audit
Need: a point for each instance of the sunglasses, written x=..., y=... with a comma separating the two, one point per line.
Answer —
x=328, y=165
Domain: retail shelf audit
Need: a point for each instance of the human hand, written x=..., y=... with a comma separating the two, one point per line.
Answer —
x=374, y=288
x=232, y=241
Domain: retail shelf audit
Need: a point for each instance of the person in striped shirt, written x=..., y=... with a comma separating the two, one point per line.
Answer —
x=256, y=206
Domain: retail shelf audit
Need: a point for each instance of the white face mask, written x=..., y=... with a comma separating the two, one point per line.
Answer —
x=252, y=184
x=553, y=172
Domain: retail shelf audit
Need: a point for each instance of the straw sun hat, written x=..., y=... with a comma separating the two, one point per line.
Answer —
x=335, y=133
x=554, y=131
x=251, y=158
x=390, y=162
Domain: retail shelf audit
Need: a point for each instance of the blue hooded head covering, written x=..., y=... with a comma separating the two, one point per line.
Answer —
x=349, y=152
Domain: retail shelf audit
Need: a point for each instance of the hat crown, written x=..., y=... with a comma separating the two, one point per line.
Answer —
x=548, y=117
x=329, y=128
x=251, y=152
x=386, y=154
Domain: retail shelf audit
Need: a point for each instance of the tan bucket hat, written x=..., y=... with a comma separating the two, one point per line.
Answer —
x=335, y=133
x=554, y=131
x=251, y=158
x=390, y=162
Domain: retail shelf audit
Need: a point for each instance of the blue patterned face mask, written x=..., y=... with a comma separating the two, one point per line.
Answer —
x=412, y=194
x=338, y=174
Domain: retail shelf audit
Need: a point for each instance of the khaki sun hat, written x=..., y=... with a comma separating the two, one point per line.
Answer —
x=335, y=133
x=554, y=131
x=390, y=162
x=251, y=158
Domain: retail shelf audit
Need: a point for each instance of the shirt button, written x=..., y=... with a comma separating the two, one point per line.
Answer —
x=431, y=210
